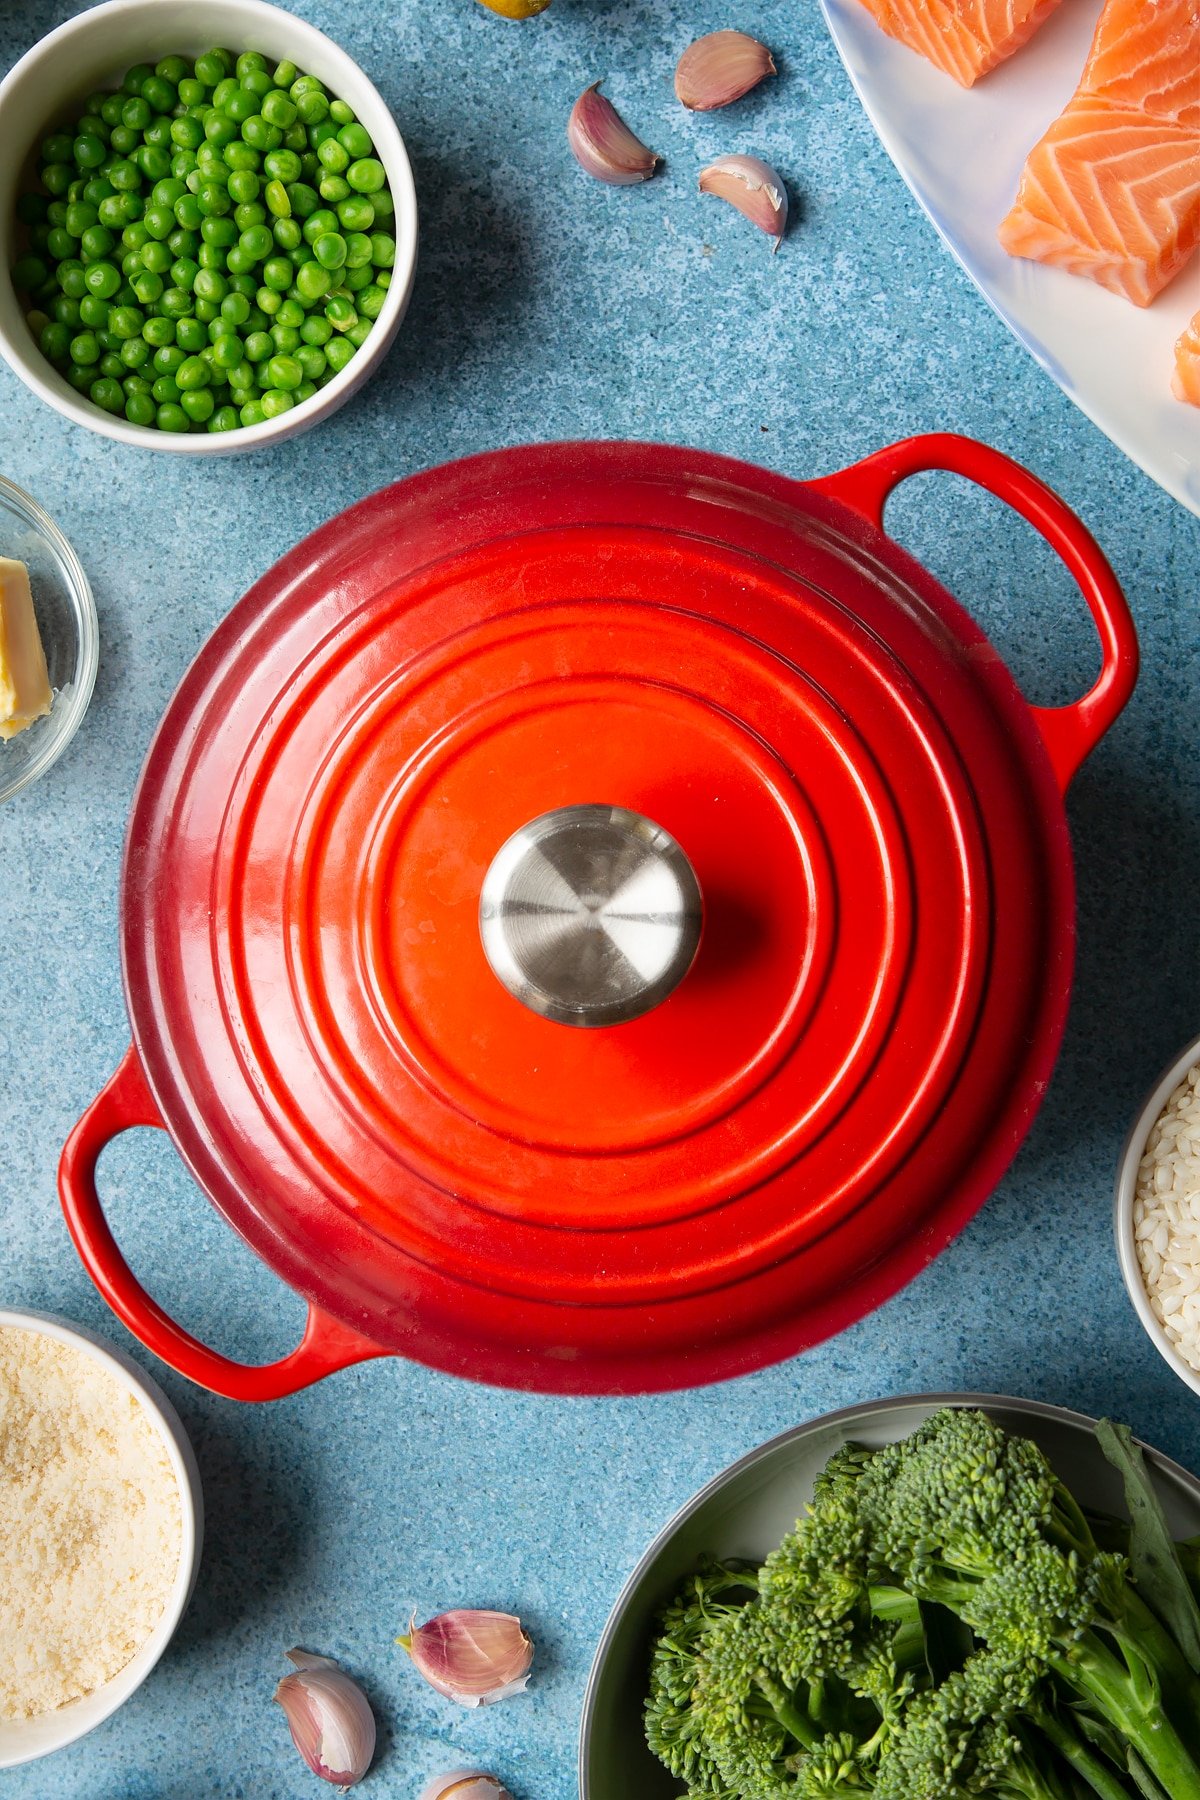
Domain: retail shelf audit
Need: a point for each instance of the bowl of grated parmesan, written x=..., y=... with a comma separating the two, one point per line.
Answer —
x=1158, y=1215
x=101, y=1518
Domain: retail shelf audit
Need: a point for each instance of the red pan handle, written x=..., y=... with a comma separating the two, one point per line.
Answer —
x=1069, y=732
x=327, y=1344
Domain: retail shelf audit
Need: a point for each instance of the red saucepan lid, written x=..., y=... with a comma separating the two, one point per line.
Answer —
x=568, y=703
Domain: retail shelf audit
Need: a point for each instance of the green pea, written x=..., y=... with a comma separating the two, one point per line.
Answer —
x=159, y=94
x=277, y=109
x=93, y=312
x=355, y=140
x=80, y=375
x=192, y=93
x=126, y=321
x=228, y=351
x=112, y=212
x=330, y=249
x=191, y=335
x=103, y=279
x=59, y=242
x=275, y=401
x=243, y=187
x=187, y=211
x=341, y=112
x=260, y=134
x=213, y=200
x=305, y=200
x=290, y=313
x=211, y=285
x=282, y=165
x=96, y=243
x=248, y=214
x=153, y=162
x=176, y=302
x=166, y=390
x=285, y=339
x=135, y=353
x=198, y=404
x=57, y=148
x=167, y=358
x=221, y=233
x=224, y=419
x=367, y=176
x=235, y=308
x=333, y=189
x=313, y=108
x=182, y=242
x=159, y=221
x=258, y=81
x=89, y=151
x=184, y=272
x=56, y=178
x=370, y=302
x=268, y=301
x=341, y=313
x=257, y=242
x=192, y=373
x=285, y=372
x=108, y=394
x=353, y=280
x=287, y=234
x=316, y=330
x=276, y=197
x=159, y=331
x=219, y=129
x=318, y=222
x=259, y=347
x=171, y=417
x=156, y=257
x=140, y=409
x=358, y=334
x=137, y=111
x=136, y=78
x=79, y=216
x=240, y=105
x=239, y=262
x=277, y=273
x=332, y=156
x=28, y=273
x=338, y=352
x=252, y=413
x=55, y=341
x=312, y=361
x=187, y=132
x=123, y=140
x=356, y=213
x=212, y=67
x=85, y=349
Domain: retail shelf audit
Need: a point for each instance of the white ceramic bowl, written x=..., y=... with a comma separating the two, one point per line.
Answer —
x=1127, y=1172
x=24, y=1740
x=66, y=616
x=93, y=51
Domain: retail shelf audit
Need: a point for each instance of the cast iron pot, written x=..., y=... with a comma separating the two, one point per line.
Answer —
x=728, y=698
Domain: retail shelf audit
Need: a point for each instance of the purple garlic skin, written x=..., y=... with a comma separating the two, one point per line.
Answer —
x=603, y=145
x=718, y=69
x=754, y=188
x=473, y=1658
x=329, y=1717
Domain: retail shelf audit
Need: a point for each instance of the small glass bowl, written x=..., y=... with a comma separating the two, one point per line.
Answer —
x=66, y=616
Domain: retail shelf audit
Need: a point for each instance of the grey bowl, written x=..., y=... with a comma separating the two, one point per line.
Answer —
x=744, y=1512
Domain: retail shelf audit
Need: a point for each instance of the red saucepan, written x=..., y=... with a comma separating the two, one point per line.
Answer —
x=620, y=737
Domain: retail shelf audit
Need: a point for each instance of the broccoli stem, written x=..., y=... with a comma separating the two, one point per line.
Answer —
x=786, y=1711
x=1089, y=1768
x=1091, y=1670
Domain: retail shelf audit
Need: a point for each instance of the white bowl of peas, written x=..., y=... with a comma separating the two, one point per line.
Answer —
x=208, y=235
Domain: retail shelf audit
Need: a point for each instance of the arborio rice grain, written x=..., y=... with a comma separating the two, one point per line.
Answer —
x=1166, y=1218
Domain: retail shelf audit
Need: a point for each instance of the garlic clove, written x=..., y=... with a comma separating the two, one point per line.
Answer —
x=720, y=68
x=329, y=1717
x=603, y=144
x=465, y=1784
x=475, y=1658
x=754, y=188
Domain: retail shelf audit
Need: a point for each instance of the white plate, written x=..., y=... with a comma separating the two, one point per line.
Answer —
x=961, y=152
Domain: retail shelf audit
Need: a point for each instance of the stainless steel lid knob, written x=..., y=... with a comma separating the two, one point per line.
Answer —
x=591, y=915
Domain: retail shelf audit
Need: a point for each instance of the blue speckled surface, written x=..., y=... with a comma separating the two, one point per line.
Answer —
x=546, y=306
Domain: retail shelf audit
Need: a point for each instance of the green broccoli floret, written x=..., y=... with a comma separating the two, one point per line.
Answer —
x=752, y=1722
x=966, y=1516
x=673, y=1730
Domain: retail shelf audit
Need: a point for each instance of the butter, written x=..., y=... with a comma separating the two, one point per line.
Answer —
x=24, y=683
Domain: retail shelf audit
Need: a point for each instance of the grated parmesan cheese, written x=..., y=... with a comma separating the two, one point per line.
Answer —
x=90, y=1524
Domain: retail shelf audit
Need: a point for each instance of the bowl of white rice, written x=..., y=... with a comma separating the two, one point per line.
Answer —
x=101, y=1519
x=1158, y=1215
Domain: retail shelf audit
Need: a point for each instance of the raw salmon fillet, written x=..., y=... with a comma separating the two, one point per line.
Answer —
x=1146, y=54
x=1185, y=382
x=1112, y=190
x=966, y=38
x=1112, y=193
